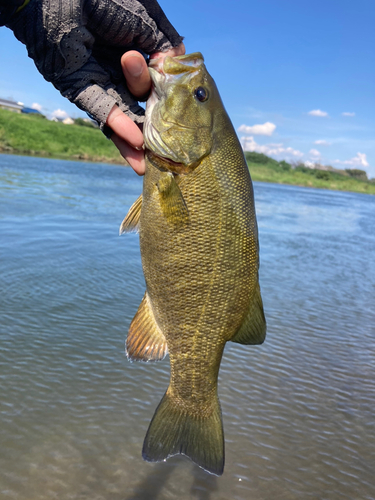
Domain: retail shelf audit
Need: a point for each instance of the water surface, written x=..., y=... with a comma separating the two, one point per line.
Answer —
x=298, y=411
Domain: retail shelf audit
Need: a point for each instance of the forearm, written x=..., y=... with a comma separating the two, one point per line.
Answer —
x=77, y=45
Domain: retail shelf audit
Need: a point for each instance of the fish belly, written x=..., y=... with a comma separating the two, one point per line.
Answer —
x=200, y=275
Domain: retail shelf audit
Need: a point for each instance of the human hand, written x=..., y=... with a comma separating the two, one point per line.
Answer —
x=128, y=136
x=77, y=45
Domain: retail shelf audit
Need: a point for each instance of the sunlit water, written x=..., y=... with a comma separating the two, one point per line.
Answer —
x=299, y=411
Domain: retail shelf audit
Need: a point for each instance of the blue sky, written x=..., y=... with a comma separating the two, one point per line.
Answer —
x=297, y=78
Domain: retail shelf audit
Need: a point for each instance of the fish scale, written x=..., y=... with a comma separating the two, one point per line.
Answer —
x=199, y=249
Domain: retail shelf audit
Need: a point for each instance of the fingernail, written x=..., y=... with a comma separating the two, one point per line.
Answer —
x=134, y=66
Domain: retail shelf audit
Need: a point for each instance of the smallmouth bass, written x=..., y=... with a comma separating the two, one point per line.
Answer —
x=199, y=247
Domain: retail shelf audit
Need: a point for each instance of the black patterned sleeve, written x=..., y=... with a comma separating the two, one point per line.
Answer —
x=77, y=45
x=7, y=9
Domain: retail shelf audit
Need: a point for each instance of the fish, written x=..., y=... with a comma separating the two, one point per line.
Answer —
x=200, y=256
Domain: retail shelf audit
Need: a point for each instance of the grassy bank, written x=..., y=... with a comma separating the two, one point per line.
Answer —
x=266, y=169
x=35, y=135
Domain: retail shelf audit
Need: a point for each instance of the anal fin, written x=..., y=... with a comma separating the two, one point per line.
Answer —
x=145, y=341
x=253, y=328
x=131, y=221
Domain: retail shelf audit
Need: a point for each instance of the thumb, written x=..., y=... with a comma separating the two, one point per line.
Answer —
x=136, y=73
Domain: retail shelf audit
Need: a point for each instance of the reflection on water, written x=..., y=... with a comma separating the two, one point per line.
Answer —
x=298, y=411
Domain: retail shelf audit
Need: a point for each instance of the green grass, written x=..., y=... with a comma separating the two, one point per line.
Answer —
x=266, y=169
x=35, y=135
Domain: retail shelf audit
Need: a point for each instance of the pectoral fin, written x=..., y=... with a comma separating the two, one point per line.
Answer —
x=145, y=341
x=171, y=200
x=131, y=221
x=253, y=328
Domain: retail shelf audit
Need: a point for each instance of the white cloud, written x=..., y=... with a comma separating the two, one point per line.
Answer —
x=37, y=106
x=322, y=142
x=347, y=113
x=249, y=144
x=314, y=152
x=318, y=112
x=358, y=161
x=60, y=114
x=267, y=128
x=309, y=164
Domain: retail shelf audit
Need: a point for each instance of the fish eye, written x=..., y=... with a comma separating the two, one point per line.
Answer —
x=201, y=94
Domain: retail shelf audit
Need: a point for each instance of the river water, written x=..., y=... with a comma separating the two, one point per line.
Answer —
x=299, y=411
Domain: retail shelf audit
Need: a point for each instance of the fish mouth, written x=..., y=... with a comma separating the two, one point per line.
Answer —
x=164, y=72
x=171, y=67
x=152, y=135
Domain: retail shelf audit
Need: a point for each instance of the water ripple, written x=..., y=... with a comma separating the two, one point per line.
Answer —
x=298, y=411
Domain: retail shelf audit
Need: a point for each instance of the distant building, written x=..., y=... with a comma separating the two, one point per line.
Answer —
x=30, y=111
x=11, y=105
x=65, y=121
x=91, y=122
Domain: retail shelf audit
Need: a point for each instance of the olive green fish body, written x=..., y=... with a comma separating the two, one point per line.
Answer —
x=199, y=248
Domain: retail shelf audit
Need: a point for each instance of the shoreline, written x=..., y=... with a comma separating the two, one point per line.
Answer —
x=77, y=157
x=258, y=173
x=271, y=172
x=35, y=136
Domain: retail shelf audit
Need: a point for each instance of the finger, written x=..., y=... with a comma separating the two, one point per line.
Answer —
x=135, y=157
x=176, y=51
x=124, y=127
x=136, y=73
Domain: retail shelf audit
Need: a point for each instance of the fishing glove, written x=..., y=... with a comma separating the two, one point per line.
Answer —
x=77, y=45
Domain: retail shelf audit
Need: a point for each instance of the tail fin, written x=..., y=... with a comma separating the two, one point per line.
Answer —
x=173, y=430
